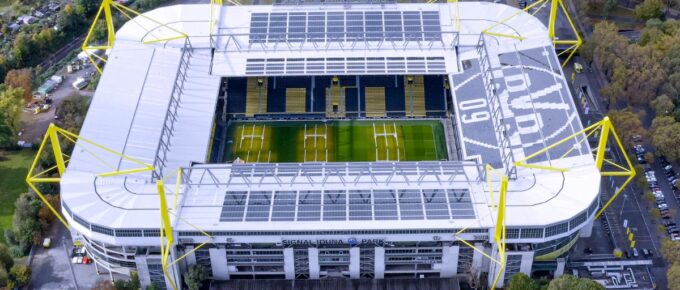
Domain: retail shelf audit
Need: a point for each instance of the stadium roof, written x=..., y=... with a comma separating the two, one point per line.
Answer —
x=528, y=107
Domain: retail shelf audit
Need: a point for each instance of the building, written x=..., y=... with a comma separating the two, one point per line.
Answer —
x=491, y=82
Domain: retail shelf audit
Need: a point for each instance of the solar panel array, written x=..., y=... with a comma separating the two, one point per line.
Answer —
x=345, y=26
x=343, y=205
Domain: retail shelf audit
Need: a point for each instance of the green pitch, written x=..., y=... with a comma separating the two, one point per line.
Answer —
x=336, y=141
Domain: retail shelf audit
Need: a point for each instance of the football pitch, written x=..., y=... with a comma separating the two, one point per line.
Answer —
x=336, y=141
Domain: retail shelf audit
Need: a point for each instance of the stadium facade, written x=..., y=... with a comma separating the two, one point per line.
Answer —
x=171, y=104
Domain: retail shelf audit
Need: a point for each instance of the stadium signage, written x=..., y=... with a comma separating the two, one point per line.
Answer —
x=350, y=242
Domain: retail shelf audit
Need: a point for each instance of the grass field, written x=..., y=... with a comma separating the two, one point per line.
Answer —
x=13, y=168
x=331, y=141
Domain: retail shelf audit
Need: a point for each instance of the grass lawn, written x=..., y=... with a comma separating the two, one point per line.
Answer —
x=336, y=141
x=13, y=168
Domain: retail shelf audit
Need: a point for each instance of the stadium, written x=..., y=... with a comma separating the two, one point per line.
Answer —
x=323, y=140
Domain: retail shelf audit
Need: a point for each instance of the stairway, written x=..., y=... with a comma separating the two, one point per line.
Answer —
x=192, y=132
x=415, y=96
x=256, y=97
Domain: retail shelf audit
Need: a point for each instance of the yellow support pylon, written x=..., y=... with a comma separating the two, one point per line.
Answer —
x=575, y=44
x=55, y=135
x=606, y=130
x=106, y=9
x=500, y=229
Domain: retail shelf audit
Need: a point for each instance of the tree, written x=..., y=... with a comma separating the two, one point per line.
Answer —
x=608, y=7
x=195, y=276
x=153, y=286
x=11, y=104
x=6, y=260
x=132, y=284
x=662, y=105
x=673, y=276
x=21, y=274
x=72, y=112
x=569, y=282
x=607, y=45
x=21, y=78
x=670, y=250
x=86, y=7
x=665, y=135
x=627, y=125
x=649, y=9
x=521, y=281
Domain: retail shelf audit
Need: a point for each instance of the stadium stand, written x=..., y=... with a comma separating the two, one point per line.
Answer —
x=375, y=101
x=295, y=100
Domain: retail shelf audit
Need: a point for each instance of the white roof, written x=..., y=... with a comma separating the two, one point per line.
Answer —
x=128, y=114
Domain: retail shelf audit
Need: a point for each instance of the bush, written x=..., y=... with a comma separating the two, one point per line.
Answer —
x=21, y=274
x=16, y=251
x=195, y=276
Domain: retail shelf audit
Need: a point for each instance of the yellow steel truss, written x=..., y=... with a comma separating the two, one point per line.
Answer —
x=554, y=5
x=106, y=9
x=500, y=231
x=55, y=136
x=605, y=129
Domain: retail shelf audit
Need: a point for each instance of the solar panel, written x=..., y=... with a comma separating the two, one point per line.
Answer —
x=334, y=205
x=335, y=26
x=277, y=27
x=410, y=204
x=360, y=205
x=435, y=204
x=258, y=206
x=316, y=26
x=309, y=205
x=374, y=26
x=297, y=26
x=352, y=205
x=284, y=206
x=345, y=26
x=234, y=206
x=412, y=26
x=393, y=26
x=385, y=205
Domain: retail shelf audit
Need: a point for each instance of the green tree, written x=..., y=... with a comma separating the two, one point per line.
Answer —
x=70, y=22
x=132, y=284
x=649, y=9
x=88, y=7
x=608, y=7
x=195, y=276
x=673, y=276
x=665, y=135
x=72, y=111
x=153, y=286
x=569, y=282
x=662, y=105
x=21, y=274
x=5, y=258
x=521, y=281
x=607, y=46
x=11, y=104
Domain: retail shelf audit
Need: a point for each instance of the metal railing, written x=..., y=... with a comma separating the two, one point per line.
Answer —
x=164, y=142
x=496, y=109
x=344, y=41
x=339, y=173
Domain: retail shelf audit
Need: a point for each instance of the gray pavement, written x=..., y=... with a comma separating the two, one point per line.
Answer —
x=52, y=268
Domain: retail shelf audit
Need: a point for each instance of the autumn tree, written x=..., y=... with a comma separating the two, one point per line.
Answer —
x=649, y=9
x=627, y=124
x=72, y=112
x=673, y=276
x=662, y=105
x=607, y=45
x=640, y=76
x=11, y=104
x=21, y=78
x=665, y=133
